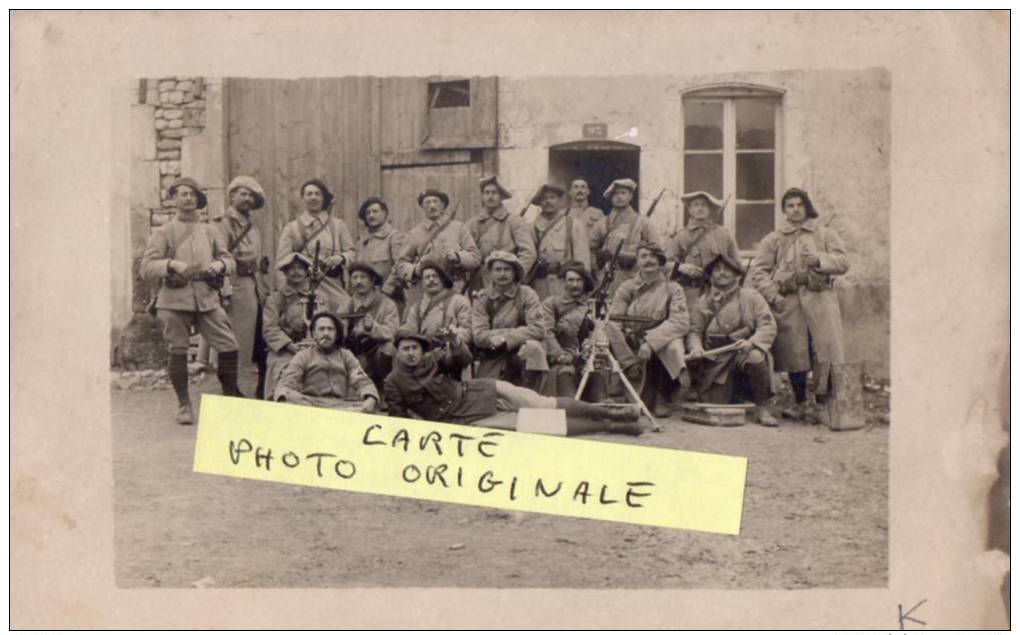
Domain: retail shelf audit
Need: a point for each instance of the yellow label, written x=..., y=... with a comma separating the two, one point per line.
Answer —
x=470, y=465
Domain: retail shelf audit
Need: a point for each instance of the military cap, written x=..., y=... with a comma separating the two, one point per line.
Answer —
x=655, y=249
x=725, y=260
x=377, y=278
x=690, y=196
x=437, y=266
x=579, y=269
x=289, y=259
x=494, y=180
x=249, y=183
x=510, y=259
x=629, y=184
x=327, y=196
x=548, y=187
x=434, y=192
x=190, y=182
x=404, y=333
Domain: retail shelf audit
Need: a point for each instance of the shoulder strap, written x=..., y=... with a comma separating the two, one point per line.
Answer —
x=311, y=237
x=570, y=237
x=237, y=239
x=187, y=235
x=435, y=232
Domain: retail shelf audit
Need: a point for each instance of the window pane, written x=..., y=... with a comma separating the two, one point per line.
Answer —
x=756, y=123
x=754, y=221
x=703, y=123
x=454, y=94
x=755, y=176
x=703, y=172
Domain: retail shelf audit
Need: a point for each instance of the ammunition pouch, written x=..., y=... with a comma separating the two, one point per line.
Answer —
x=818, y=281
x=491, y=353
x=336, y=272
x=690, y=281
x=626, y=262
x=174, y=280
x=740, y=334
x=264, y=264
x=542, y=269
x=296, y=335
x=246, y=267
x=634, y=339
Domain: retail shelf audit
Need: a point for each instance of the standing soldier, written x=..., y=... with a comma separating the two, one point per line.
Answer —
x=287, y=314
x=728, y=314
x=699, y=243
x=508, y=325
x=650, y=345
x=622, y=225
x=370, y=337
x=439, y=236
x=190, y=259
x=559, y=238
x=316, y=226
x=441, y=310
x=381, y=245
x=794, y=269
x=568, y=326
x=248, y=287
x=496, y=229
x=581, y=210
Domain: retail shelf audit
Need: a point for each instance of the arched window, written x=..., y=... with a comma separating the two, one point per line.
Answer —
x=732, y=148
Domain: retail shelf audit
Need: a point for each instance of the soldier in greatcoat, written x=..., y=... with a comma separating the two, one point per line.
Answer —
x=381, y=245
x=508, y=325
x=496, y=229
x=698, y=244
x=441, y=237
x=580, y=209
x=188, y=256
x=725, y=315
x=249, y=285
x=622, y=224
x=287, y=313
x=441, y=311
x=794, y=270
x=650, y=348
x=559, y=238
x=318, y=226
x=370, y=337
x=569, y=324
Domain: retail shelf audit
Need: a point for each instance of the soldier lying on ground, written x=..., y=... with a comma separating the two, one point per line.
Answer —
x=725, y=315
x=327, y=375
x=421, y=385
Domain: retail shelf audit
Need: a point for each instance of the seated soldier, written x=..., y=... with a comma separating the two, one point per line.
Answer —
x=648, y=322
x=370, y=337
x=327, y=375
x=421, y=385
x=285, y=316
x=730, y=314
x=508, y=325
x=441, y=310
x=569, y=325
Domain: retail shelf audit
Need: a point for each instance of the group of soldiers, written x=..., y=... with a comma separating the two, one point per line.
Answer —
x=454, y=321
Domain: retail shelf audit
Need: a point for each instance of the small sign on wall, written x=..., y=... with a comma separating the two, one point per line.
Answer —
x=595, y=131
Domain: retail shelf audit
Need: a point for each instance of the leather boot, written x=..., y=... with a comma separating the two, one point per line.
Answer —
x=765, y=417
x=566, y=384
x=177, y=370
x=226, y=370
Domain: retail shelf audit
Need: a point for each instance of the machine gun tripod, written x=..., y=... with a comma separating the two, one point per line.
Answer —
x=599, y=357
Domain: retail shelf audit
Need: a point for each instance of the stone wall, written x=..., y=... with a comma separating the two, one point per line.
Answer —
x=167, y=114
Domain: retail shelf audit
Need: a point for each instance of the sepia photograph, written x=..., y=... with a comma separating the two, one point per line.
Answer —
x=607, y=319
x=678, y=261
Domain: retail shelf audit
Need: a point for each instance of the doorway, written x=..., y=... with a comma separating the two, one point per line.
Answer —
x=598, y=162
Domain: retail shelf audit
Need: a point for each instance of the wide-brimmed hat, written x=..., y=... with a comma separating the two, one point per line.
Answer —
x=327, y=196
x=190, y=182
x=808, y=205
x=690, y=196
x=548, y=187
x=655, y=249
x=629, y=184
x=249, y=183
x=494, y=180
x=434, y=192
x=510, y=259
x=410, y=334
x=438, y=267
x=377, y=278
x=724, y=259
x=369, y=202
x=287, y=260
x=579, y=269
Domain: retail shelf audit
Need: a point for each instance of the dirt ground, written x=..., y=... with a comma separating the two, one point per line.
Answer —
x=815, y=515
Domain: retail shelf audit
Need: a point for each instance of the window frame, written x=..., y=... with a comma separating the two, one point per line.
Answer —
x=728, y=94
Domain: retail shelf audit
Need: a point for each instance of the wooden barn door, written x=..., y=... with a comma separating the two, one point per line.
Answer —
x=283, y=132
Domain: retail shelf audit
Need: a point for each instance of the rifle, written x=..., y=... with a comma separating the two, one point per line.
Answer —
x=316, y=276
x=713, y=352
x=655, y=203
x=533, y=271
x=527, y=204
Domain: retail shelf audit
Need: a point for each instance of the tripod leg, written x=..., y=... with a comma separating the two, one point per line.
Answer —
x=630, y=389
x=584, y=381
